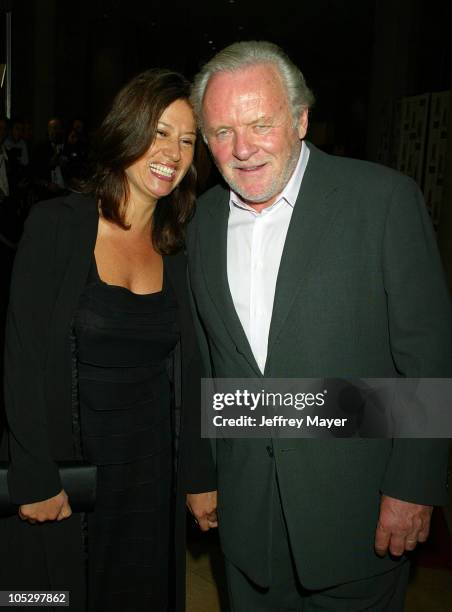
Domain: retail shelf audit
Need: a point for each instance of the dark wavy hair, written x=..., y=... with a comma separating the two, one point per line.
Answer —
x=124, y=136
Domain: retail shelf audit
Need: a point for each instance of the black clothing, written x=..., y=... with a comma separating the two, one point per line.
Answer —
x=123, y=341
x=50, y=274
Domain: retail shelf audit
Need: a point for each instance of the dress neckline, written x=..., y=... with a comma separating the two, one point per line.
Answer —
x=98, y=279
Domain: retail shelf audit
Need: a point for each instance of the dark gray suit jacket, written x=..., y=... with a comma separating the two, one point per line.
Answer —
x=360, y=293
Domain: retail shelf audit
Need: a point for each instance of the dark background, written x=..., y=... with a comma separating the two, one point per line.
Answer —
x=71, y=56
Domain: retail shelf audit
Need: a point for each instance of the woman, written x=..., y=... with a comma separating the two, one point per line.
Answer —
x=99, y=297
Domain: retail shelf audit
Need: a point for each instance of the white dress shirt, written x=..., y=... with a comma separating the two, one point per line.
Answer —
x=254, y=249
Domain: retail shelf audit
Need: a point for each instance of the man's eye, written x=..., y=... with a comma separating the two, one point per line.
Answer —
x=262, y=127
x=222, y=133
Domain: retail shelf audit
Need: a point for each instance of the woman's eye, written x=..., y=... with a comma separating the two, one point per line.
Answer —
x=161, y=133
x=188, y=142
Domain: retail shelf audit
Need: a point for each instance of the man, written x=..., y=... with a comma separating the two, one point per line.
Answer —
x=312, y=266
x=49, y=159
x=16, y=143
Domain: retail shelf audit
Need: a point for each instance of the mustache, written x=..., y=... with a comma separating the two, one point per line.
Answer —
x=236, y=166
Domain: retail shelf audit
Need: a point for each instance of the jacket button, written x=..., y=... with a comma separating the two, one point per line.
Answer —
x=270, y=451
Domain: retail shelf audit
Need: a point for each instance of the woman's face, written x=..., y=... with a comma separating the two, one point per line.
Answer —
x=169, y=157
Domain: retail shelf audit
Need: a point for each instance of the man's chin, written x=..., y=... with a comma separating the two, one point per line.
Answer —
x=257, y=199
x=251, y=197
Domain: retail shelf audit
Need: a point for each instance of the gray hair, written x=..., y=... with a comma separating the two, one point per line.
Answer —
x=244, y=54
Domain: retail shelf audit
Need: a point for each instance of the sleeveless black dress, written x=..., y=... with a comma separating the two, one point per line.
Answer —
x=123, y=341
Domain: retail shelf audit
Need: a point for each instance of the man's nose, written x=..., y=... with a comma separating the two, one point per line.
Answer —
x=243, y=147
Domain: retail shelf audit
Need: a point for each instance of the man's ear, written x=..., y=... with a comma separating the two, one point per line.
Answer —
x=302, y=124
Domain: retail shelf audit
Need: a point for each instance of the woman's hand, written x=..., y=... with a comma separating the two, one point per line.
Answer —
x=53, y=509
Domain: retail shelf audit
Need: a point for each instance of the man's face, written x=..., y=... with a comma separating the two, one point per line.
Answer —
x=55, y=131
x=78, y=126
x=17, y=131
x=251, y=132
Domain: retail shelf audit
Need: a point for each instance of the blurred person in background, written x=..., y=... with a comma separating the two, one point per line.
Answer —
x=16, y=144
x=10, y=223
x=48, y=159
x=75, y=154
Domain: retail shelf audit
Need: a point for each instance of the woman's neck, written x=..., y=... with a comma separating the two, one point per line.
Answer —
x=138, y=215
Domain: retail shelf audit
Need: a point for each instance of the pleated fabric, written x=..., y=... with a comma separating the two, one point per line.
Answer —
x=123, y=342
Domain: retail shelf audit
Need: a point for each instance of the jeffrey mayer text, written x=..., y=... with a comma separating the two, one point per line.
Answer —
x=277, y=421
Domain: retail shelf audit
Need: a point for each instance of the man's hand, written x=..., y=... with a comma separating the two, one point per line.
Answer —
x=203, y=506
x=53, y=509
x=401, y=526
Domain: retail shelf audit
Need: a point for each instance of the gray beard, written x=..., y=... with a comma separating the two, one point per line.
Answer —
x=277, y=185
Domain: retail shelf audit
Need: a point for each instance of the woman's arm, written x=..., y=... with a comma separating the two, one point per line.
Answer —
x=33, y=475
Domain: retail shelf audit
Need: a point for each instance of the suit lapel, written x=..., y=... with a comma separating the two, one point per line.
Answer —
x=213, y=239
x=311, y=218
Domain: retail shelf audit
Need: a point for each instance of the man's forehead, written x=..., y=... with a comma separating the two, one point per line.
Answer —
x=249, y=87
x=264, y=72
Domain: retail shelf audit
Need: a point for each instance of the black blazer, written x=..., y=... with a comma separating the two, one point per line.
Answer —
x=50, y=272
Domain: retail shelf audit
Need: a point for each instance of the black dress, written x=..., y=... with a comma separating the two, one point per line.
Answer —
x=123, y=342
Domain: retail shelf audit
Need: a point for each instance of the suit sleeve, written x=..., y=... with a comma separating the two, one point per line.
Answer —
x=420, y=329
x=197, y=466
x=33, y=475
